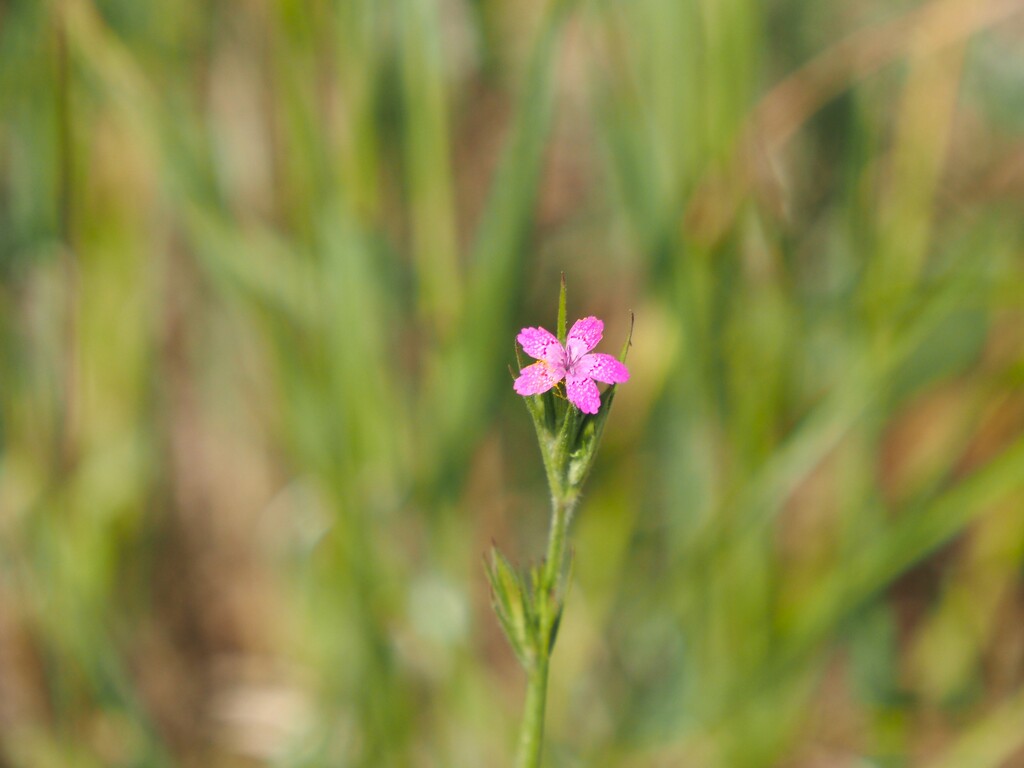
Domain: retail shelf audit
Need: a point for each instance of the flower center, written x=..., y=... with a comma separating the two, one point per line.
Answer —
x=570, y=361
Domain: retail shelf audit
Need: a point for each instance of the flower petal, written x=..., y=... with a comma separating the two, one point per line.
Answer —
x=537, y=378
x=603, y=368
x=582, y=392
x=583, y=336
x=541, y=344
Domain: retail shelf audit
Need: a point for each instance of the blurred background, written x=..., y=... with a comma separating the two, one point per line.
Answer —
x=262, y=263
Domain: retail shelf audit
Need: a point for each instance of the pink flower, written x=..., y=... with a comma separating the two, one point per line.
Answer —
x=574, y=362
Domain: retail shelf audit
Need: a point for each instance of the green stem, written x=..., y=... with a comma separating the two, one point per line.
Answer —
x=561, y=514
x=550, y=593
x=531, y=735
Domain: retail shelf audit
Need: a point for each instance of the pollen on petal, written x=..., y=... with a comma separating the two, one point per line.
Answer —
x=541, y=344
x=603, y=368
x=537, y=378
x=582, y=392
x=583, y=336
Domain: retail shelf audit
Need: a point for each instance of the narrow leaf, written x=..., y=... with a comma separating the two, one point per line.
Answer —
x=561, y=312
x=629, y=339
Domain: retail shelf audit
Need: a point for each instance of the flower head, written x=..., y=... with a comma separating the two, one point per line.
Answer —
x=574, y=362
